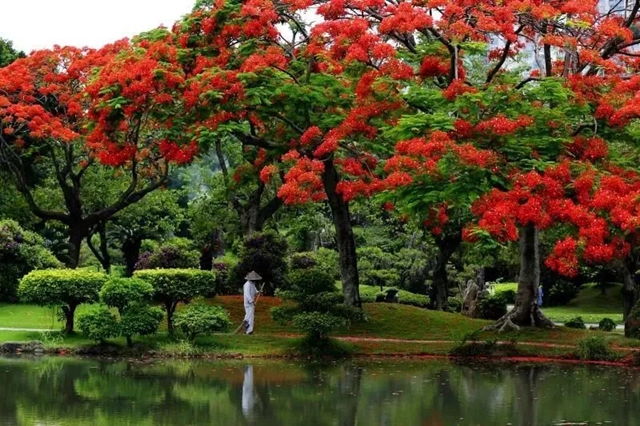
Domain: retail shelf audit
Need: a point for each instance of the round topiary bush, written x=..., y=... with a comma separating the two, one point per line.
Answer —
x=173, y=286
x=121, y=292
x=202, y=319
x=492, y=307
x=98, y=324
x=311, y=281
x=141, y=320
x=560, y=293
x=66, y=288
x=607, y=324
x=576, y=322
x=304, y=260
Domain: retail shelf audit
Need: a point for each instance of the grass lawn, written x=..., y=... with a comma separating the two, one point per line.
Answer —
x=590, y=304
x=422, y=331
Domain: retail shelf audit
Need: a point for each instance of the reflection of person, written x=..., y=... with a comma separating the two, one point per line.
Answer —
x=540, y=294
x=250, y=293
x=248, y=393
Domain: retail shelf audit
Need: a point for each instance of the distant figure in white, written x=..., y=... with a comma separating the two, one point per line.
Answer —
x=250, y=294
x=248, y=394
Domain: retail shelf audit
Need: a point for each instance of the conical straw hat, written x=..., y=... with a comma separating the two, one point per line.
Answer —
x=253, y=276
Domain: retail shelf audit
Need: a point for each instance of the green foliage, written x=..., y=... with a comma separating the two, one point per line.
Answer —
x=454, y=304
x=561, y=293
x=576, y=322
x=595, y=348
x=140, y=319
x=492, y=307
x=368, y=295
x=509, y=296
x=607, y=324
x=98, y=324
x=172, y=286
x=7, y=53
x=311, y=281
x=224, y=285
x=199, y=318
x=55, y=287
x=20, y=253
x=329, y=261
x=304, y=260
x=121, y=292
x=318, y=308
x=266, y=254
x=177, y=253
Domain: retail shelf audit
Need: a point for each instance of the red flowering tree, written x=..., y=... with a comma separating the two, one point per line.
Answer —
x=292, y=95
x=578, y=53
x=65, y=111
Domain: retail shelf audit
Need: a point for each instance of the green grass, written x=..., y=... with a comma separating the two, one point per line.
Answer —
x=590, y=304
x=30, y=316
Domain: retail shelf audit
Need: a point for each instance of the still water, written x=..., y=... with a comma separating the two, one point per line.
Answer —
x=59, y=391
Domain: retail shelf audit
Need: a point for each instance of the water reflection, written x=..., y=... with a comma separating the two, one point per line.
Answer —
x=55, y=391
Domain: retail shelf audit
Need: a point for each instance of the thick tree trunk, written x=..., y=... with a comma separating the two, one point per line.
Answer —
x=249, y=217
x=129, y=342
x=446, y=247
x=69, y=315
x=206, y=258
x=101, y=253
x=526, y=311
x=344, y=236
x=131, y=253
x=77, y=233
x=629, y=291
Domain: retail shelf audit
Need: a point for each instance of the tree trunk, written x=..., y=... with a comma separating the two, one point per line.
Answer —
x=170, y=307
x=104, y=248
x=526, y=311
x=629, y=291
x=249, y=217
x=206, y=258
x=344, y=236
x=77, y=233
x=129, y=342
x=69, y=315
x=446, y=247
x=131, y=253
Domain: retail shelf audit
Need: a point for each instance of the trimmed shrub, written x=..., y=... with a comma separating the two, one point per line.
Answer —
x=561, y=293
x=595, y=348
x=141, y=320
x=98, y=324
x=173, y=286
x=329, y=261
x=319, y=307
x=20, y=253
x=576, y=322
x=131, y=297
x=607, y=324
x=311, y=281
x=174, y=254
x=66, y=288
x=369, y=294
x=264, y=253
x=121, y=292
x=509, y=296
x=202, y=319
x=304, y=260
x=492, y=308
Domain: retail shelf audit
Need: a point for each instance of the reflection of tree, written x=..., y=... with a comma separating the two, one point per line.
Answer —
x=78, y=392
x=349, y=391
x=526, y=380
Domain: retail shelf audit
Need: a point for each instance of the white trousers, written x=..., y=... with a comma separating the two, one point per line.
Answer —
x=249, y=317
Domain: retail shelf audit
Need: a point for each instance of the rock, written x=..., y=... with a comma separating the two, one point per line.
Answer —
x=632, y=325
x=470, y=299
x=21, y=347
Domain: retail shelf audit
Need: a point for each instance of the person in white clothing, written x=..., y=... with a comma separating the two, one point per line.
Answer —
x=250, y=294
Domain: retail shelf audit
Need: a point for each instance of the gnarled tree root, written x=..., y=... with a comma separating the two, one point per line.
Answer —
x=516, y=318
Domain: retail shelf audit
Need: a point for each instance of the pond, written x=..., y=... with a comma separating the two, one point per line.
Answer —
x=62, y=391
